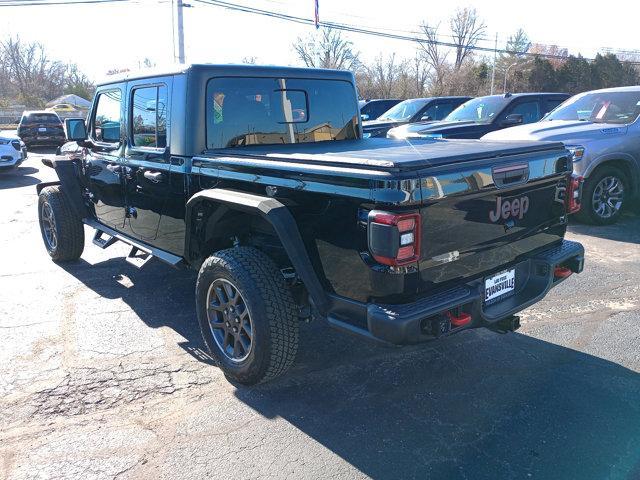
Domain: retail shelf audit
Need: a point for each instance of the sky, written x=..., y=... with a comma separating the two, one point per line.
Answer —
x=121, y=35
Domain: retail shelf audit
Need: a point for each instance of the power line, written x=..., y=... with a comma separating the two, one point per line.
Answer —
x=366, y=31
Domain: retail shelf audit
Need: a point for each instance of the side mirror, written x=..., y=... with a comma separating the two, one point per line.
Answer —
x=75, y=129
x=426, y=118
x=364, y=117
x=513, y=119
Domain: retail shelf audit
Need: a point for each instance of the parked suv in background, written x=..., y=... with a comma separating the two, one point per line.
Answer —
x=602, y=131
x=372, y=109
x=412, y=110
x=41, y=128
x=482, y=115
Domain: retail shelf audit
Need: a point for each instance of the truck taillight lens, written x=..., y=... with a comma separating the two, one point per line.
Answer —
x=574, y=193
x=394, y=239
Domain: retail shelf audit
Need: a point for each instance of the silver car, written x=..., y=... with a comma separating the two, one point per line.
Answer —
x=602, y=131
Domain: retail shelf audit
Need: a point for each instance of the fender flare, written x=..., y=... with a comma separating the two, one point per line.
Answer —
x=634, y=166
x=280, y=218
x=67, y=172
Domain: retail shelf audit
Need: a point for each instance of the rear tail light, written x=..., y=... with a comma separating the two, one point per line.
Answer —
x=394, y=239
x=574, y=194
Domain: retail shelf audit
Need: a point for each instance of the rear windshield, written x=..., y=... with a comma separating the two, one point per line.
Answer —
x=41, y=118
x=259, y=111
x=600, y=107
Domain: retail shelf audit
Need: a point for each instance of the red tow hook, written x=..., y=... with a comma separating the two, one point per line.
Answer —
x=460, y=320
x=562, y=272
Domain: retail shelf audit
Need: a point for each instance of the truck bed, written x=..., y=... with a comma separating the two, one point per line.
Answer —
x=390, y=154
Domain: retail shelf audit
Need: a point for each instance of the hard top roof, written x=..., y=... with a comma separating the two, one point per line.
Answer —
x=228, y=70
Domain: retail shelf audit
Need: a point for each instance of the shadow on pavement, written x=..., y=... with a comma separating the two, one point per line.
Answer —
x=476, y=405
x=160, y=296
x=45, y=150
x=18, y=177
x=627, y=229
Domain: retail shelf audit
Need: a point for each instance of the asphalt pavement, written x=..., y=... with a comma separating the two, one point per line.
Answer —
x=103, y=375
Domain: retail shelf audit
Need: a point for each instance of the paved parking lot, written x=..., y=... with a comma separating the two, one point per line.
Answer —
x=103, y=375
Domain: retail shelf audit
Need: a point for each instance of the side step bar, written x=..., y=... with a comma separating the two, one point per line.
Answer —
x=103, y=240
x=138, y=257
x=140, y=253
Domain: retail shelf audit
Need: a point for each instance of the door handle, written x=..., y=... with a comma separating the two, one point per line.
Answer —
x=155, y=177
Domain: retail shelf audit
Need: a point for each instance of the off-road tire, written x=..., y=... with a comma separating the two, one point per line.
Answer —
x=69, y=230
x=271, y=308
x=587, y=213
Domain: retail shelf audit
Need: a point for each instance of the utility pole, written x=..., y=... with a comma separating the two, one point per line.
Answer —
x=180, y=31
x=493, y=71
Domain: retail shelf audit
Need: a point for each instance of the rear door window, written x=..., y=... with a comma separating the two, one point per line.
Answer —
x=252, y=111
x=149, y=117
x=107, y=119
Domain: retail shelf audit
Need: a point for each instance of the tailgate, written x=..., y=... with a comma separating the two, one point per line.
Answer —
x=479, y=216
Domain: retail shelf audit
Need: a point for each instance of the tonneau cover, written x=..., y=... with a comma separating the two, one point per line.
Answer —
x=384, y=153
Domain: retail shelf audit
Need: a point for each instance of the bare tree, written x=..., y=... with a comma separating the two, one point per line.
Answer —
x=78, y=83
x=435, y=56
x=466, y=30
x=31, y=75
x=421, y=70
x=330, y=50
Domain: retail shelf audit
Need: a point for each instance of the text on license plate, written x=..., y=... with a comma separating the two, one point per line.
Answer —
x=499, y=284
x=42, y=129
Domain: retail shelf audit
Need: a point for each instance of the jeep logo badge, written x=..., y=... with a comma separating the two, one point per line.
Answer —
x=515, y=208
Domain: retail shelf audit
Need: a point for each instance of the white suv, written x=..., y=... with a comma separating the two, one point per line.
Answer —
x=12, y=151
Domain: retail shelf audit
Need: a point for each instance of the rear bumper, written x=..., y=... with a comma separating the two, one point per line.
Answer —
x=427, y=317
x=46, y=139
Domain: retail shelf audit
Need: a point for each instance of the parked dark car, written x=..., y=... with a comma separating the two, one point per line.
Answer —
x=482, y=115
x=412, y=110
x=373, y=108
x=259, y=179
x=41, y=128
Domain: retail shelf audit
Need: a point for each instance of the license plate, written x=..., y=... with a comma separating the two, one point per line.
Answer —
x=42, y=129
x=499, y=285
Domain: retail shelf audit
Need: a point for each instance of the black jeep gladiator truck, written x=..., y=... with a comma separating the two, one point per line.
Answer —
x=258, y=177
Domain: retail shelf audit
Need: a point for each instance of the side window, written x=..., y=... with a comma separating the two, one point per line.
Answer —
x=552, y=103
x=149, y=117
x=106, y=123
x=530, y=111
x=429, y=113
x=444, y=109
x=380, y=107
x=436, y=111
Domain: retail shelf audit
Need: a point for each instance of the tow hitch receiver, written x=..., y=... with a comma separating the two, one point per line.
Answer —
x=460, y=320
x=506, y=325
x=561, y=272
